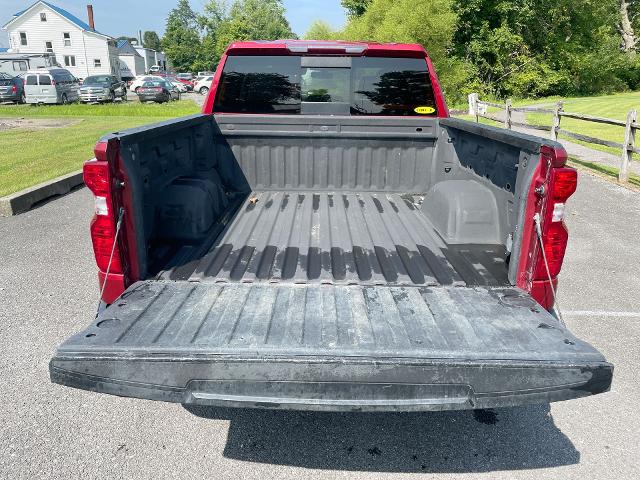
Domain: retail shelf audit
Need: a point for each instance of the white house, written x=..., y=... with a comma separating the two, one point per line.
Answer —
x=151, y=58
x=131, y=62
x=78, y=47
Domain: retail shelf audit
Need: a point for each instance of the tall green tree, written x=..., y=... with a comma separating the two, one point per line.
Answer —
x=151, y=40
x=355, y=8
x=253, y=20
x=319, y=30
x=181, y=41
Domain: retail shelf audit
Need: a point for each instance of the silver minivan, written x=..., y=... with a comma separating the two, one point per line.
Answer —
x=51, y=85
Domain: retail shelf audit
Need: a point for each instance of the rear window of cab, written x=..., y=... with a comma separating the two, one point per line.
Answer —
x=325, y=85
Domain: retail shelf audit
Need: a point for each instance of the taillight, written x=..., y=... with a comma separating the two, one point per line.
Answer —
x=561, y=183
x=97, y=177
x=14, y=89
x=53, y=82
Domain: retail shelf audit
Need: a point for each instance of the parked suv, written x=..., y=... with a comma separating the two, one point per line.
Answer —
x=102, y=88
x=11, y=88
x=53, y=85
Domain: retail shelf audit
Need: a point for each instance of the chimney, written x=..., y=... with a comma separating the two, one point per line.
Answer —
x=90, y=15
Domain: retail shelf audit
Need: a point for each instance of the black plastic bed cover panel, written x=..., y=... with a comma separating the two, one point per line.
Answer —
x=330, y=347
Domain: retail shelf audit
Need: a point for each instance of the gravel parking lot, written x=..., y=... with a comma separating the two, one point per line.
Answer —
x=48, y=291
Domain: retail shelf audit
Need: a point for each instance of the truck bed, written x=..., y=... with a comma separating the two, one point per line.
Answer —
x=338, y=238
x=351, y=264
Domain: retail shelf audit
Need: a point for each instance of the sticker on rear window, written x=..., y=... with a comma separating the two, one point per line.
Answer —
x=424, y=110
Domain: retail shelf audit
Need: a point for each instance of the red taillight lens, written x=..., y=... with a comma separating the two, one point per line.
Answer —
x=102, y=236
x=14, y=89
x=97, y=177
x=53, y=82
x=561, y=184
x=554, y=240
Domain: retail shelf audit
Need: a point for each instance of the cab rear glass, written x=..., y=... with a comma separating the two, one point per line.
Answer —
x=325, y=85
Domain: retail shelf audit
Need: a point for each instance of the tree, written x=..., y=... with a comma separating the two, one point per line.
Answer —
x=319, y=30
x=181, y=41
x=253, y=20
x=355, y=8
x=625, y=27
x=151, y=40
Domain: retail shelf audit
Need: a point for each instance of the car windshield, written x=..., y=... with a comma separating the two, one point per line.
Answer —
x=97, y=79
x=341, y=85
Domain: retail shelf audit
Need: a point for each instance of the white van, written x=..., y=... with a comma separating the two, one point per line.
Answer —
x=51, y=85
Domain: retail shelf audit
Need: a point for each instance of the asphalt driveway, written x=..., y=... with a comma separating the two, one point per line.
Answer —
x=48, y=291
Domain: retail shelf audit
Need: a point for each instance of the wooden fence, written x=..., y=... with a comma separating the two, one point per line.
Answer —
x=479, y=109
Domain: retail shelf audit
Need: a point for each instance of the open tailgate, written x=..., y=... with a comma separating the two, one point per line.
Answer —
x=330, y=347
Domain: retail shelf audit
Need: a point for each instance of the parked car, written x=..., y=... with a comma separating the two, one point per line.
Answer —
x=159, y=91
x=102, y=88
x=11, y=88
x=187, y=79
x=156, y=69
x=182, y=88
x=325, y=237
x=204, y=74
x=139, y=80
x=203, y=85
x=52, y=85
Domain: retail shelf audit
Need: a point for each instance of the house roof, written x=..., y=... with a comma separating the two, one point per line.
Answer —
x=69, y=16
x=125, y=47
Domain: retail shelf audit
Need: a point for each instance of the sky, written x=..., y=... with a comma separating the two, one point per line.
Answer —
x=126, y=17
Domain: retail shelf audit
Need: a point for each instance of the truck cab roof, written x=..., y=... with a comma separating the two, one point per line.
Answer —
x=326, y=47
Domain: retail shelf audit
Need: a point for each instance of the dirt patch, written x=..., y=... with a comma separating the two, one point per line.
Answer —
x=36, y=123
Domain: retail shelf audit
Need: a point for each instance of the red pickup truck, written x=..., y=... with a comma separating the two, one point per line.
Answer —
x=324, y=236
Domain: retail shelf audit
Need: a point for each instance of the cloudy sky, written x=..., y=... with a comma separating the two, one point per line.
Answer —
x=126, y=17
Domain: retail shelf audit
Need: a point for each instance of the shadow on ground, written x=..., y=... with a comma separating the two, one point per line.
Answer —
x=466, y=441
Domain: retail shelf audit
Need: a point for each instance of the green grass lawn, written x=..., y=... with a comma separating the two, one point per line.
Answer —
x=614, y=106
x=33, y=155
x=610, y=106
x=117, y=109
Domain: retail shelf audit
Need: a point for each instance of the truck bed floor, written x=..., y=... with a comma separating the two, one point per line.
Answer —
x=338, y=238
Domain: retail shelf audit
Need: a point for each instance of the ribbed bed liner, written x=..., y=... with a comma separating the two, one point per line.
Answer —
x=340, y=238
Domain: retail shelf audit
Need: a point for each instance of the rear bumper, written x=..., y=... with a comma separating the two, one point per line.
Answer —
x=9, y=97
x=87, y=98
x=42, y=99
x=339, y=384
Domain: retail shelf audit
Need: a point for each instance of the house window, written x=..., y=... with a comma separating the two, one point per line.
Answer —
x=69, y=61
x=20, y=65
x=43, y=17
x=97, y=62
x=66, y=36
x=23, y=38
x=48, y=46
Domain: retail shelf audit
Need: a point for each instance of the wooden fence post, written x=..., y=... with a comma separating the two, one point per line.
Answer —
x=507, y=114
x=556, y=121
x=473, y=105
x=627, y=146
